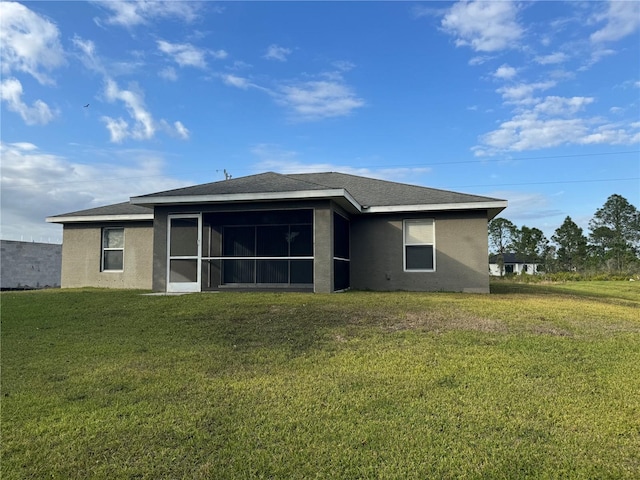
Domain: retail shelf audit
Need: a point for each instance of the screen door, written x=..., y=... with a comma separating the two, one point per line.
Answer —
x=184, y=253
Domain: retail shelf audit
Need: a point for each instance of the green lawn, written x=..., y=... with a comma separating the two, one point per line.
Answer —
x=533, y=381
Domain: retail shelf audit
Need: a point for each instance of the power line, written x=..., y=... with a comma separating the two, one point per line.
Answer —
x=549, y=183
x=498, y=160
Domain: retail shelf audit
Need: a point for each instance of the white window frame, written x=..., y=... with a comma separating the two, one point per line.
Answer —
x=405, y=244
x=104, y=249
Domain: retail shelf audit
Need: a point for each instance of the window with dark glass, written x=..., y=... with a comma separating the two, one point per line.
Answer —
x=419, y=251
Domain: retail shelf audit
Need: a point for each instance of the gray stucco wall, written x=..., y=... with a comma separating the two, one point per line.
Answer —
x=461, y=245
x=29, y=265
x=81, y=256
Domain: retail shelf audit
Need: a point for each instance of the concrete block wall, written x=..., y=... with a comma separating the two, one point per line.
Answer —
x=29, y=265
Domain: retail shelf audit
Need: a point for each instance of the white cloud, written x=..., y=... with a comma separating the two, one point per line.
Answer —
x=505, y=72
x=219, y=54
x=134, y=103
x=613, y=135
x=236, y=81
x=529, y=132
x=242, y=83
x=562, y=106
x=184, y=54
x=36, y=184
x=238, y=65
x=118, y=128
x=552, y=122
x=88, y=55
x=484, y=26
x=11, y=93
x=181, y=130
x=479, y=60
x=523, y=92
x=30, y=43
x=273, y=158
x=168, y=73
x=596, y=55
x=177, y=129
x=276, y=52
x=344, y=65
x=144, y=126
x=622, y=18
x=309, y=100
x=141, y=12
x=552, y=58
x=314, y=100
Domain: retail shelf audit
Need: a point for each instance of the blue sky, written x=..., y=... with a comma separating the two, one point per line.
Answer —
x=537, y=103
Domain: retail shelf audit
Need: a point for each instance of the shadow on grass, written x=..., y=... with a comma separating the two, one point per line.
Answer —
x=290, y=323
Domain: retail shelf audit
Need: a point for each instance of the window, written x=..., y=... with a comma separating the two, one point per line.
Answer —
x=112, y=249
x=419, y=245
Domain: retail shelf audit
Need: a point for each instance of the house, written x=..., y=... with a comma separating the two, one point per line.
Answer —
x=319, y=232
x=29, y=265
x=513, y=264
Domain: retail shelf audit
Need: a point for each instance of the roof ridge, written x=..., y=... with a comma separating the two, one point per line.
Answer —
x=290, y=175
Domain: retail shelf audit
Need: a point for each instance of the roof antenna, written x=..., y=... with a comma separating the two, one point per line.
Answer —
x=227, y=175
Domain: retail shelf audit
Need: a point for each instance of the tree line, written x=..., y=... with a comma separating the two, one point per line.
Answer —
x=612, y=244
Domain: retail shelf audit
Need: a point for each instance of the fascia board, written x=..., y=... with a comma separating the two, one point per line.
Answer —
x=436, y=207
x=247, y=197
x=100, y=218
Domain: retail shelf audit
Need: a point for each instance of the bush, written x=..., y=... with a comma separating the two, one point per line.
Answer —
x=563, y=277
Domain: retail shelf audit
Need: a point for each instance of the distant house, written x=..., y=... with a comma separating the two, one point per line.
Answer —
x=26, y=265
x=513, y=264
x=319, y=232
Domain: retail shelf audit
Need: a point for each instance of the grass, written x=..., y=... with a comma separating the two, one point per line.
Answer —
x=533, y=381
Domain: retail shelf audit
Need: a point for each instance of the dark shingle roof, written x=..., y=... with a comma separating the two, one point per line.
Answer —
x=374, y=192
x=366, y=191
x=124, y=208
x=262, y=183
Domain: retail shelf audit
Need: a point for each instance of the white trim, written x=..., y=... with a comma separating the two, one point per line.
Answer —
x=247, y=197
x=405, y=244
x=436, y=207
x=100, y=218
